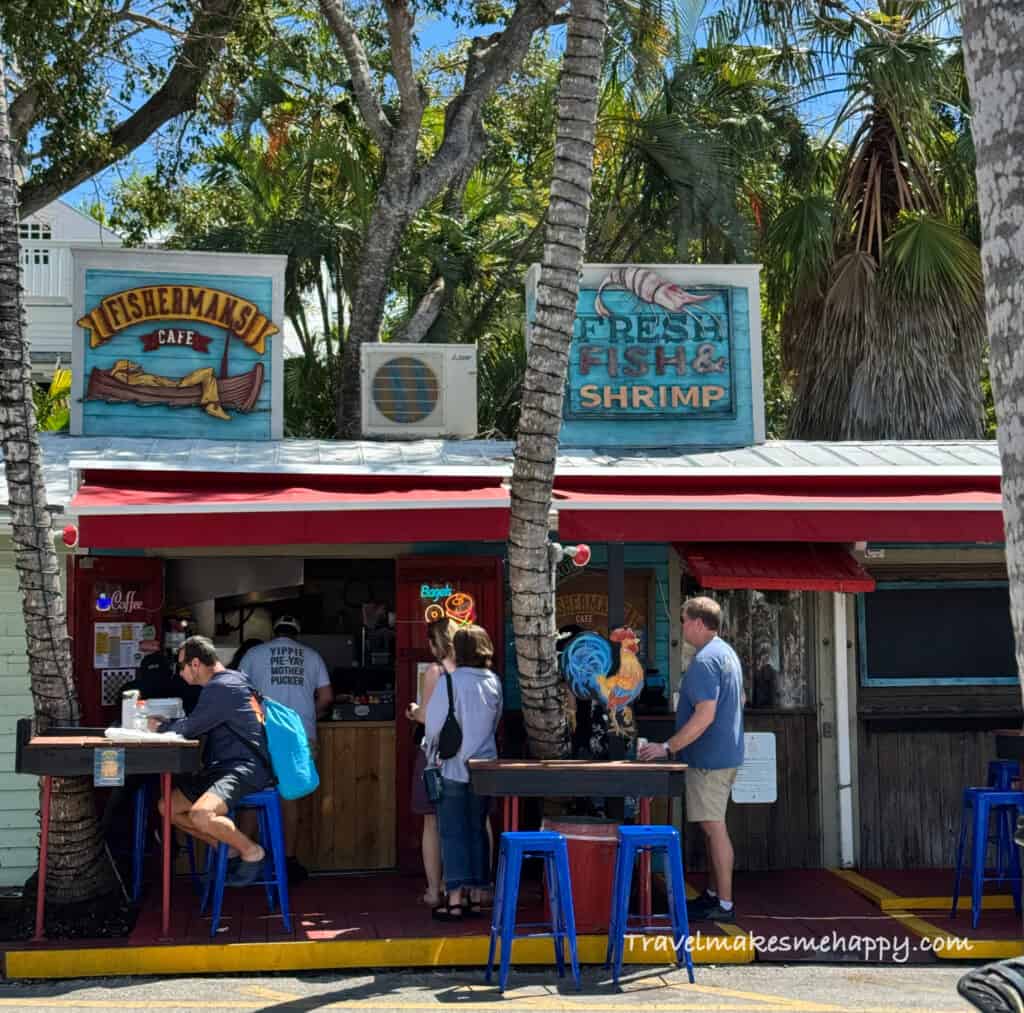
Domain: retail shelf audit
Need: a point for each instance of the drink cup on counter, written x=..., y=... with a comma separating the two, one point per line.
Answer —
x=640, y=743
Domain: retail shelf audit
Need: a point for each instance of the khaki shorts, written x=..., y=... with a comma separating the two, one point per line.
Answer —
x=707, y=793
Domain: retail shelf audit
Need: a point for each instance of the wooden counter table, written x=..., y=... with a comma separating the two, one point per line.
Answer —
x=69, y=752
x=349, y=822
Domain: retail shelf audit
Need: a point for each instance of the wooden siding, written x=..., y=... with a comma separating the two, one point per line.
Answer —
x=19, y=794
x=349, y=823
x=911, y=785
x=785, y=834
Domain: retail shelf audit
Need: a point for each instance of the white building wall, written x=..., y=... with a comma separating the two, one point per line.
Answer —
x=19, y=793
x=49, y=331
x=45, y=242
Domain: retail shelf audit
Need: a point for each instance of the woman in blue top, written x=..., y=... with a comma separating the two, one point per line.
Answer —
x=461, y=813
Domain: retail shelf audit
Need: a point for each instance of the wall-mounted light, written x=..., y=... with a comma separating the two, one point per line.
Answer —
x=70, y=535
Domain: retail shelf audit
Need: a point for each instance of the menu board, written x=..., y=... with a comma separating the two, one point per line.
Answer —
x=757, y=780
x=118, y=645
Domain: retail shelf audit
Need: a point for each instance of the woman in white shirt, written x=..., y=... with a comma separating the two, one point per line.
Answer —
x=461, y=813
x=439, y=637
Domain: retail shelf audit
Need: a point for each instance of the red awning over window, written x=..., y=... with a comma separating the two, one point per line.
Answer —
x=792, y=566
x=132, y=510
x=973, y=515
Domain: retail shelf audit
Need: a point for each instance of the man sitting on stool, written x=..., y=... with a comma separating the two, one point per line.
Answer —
x=235, y=759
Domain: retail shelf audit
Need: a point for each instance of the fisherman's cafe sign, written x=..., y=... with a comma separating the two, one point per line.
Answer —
x=663, y=355
x=177, y=345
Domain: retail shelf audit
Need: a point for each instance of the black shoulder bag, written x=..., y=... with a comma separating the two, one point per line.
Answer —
x=449, y=742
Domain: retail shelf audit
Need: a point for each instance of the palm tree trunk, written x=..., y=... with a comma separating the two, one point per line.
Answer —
x=530, y=568
x=994, y=58
x=77, y=869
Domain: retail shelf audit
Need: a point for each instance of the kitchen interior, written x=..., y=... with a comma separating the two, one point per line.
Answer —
x=346, y=607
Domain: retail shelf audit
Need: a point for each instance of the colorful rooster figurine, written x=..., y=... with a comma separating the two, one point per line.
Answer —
x=605, y=669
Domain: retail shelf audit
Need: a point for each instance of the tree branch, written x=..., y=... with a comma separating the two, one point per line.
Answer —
x=211, y=24
x=359, y=67
x=492, y=61
x=428, y=310
x=22, y=112
x=400, y=26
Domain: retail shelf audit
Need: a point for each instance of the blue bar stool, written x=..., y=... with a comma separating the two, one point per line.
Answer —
x=142, y=802
x=267, y=804
x=515, y=846
x=1002, y=774
x=633, y=840
x=977, y=809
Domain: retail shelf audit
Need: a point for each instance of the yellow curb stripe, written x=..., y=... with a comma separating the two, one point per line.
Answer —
x=990, y=902
x=874, y=892
x=464, y=951
x=947, y=946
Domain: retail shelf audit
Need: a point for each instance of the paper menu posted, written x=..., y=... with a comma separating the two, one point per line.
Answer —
x=757, y=780
x=421, y=670
x=117, y=645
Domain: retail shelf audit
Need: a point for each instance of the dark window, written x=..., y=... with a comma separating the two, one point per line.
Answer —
x=936, y=633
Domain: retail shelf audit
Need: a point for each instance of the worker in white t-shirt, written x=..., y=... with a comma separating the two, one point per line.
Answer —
x=295, y=675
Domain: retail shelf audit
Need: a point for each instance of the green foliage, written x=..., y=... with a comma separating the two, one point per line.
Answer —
x=309, y=386
x=873, y=263
x=53, y=410
x=501, y=366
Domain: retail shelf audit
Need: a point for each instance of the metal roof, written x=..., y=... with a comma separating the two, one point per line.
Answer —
x=63, y=455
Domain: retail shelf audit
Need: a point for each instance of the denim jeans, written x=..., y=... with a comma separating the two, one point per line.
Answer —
x=465, y=854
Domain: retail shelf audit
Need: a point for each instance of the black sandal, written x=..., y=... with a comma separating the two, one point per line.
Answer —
x=448, y=913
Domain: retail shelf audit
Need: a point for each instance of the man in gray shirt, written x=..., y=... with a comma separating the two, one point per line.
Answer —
x=235, y=758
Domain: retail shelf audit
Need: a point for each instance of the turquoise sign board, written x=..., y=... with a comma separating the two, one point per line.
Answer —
x=177, y=345
x=663, y=356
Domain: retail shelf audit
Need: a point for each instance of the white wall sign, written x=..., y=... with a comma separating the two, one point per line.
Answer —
x=757, y=780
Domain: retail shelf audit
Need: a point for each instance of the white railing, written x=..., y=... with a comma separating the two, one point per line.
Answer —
x=46, y=267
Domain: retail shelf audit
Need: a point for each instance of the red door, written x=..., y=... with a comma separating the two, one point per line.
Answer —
x=113, y=600
x=422, y=580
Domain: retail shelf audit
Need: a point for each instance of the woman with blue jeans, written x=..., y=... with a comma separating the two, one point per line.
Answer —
x=461, y=813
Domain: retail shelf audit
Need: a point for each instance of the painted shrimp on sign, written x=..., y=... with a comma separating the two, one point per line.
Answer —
x=178, y=344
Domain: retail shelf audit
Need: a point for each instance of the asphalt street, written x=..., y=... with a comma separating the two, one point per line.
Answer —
x=750, y=989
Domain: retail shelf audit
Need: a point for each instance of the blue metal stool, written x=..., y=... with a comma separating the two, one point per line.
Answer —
x=142, y=802
x=978, y=806
x=1002, y=774
x=515, y=846
x=633, y=840
x=267, y=804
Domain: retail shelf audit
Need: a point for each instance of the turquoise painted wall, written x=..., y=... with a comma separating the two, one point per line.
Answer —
x=101, y=418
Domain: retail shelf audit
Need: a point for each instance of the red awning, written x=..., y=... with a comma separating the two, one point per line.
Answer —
x=778, y=566
x=178, y=510
x=973, y=515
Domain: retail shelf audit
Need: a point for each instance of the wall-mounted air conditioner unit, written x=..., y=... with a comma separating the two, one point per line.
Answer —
x=416, y=391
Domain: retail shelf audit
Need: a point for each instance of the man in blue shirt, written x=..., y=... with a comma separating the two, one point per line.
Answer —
x=235, y=758
x=708, y=737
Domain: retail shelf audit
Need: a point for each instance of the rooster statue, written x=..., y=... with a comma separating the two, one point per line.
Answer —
x=606, y=670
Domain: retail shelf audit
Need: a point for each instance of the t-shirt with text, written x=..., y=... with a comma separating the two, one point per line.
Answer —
x=290, y=673
x=714, y=674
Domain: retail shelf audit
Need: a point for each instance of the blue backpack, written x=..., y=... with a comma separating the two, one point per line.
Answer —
x=290, y=756
x=291, y=760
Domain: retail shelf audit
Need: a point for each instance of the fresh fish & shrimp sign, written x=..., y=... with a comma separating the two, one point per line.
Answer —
x=667, y=351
